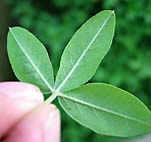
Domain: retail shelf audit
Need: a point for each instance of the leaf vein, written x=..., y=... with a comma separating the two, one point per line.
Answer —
x=32, y=63
x=103, y=109
x=83, y=54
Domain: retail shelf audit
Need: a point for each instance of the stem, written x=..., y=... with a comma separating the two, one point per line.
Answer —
x=52, y=98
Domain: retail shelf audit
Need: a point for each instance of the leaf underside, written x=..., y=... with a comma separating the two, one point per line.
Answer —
x=107, y=110
x=29, y=59
x=85, y=51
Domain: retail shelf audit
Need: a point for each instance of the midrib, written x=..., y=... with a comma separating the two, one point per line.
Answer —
x=32, y=63
x=83, y=54
x=63, y=96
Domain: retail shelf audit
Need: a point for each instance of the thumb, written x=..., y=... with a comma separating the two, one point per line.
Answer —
x=40, y=125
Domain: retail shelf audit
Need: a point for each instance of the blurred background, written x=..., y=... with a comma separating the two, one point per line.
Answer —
x=127, y=65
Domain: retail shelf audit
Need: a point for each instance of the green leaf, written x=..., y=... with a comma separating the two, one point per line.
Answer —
x=29, y=59
x=85, y=51
x=107, y=110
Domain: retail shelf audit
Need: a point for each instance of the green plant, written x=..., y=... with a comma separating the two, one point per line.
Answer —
x=101, y=107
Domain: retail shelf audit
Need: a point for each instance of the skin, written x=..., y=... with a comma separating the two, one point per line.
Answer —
x=25, y=117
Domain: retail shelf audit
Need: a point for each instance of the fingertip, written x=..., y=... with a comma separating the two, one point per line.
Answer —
x=21, y=90
x=17, y=99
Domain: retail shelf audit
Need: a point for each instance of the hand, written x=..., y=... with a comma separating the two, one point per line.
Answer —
x=24, y=117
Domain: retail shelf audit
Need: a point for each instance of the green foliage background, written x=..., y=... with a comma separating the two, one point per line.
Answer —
x=128, y=63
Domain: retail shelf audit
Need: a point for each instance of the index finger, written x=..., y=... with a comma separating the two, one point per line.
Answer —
x=16, y=99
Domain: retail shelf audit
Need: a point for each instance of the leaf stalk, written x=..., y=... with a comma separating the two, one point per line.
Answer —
x=52, y=98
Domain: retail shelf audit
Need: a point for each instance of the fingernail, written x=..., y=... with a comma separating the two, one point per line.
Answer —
x=51, y=118
x=52, y=126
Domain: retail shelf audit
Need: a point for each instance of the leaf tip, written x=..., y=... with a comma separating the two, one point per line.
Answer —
x=113, y=11
x=10, y=28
